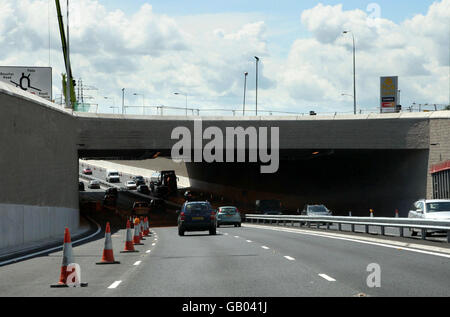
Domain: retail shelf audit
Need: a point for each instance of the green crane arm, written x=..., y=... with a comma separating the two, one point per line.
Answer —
x=66, y=58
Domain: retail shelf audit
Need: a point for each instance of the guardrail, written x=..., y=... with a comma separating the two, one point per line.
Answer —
x=401, y=223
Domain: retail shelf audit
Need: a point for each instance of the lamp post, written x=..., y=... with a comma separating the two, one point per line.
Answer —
x=123, y=100
x=114, y=103
x=257, y=62
x=183, y=94
x=354, y=70
x=143, y=106
x=245, y=90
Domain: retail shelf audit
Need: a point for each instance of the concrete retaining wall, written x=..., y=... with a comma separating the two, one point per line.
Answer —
x=38, y=168
x=22, y=224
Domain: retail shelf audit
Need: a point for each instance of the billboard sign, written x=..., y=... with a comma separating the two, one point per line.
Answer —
x=36, y=80
x=388, y=94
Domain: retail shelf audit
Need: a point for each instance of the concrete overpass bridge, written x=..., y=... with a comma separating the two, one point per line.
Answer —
x=348, y=162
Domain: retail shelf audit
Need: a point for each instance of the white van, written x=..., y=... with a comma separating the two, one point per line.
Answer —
x=112, y=176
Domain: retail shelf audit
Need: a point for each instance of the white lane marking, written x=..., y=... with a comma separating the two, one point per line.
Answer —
x=226, y=234
x=328, y=278
x=249, y=241
x=236, y=236
x=148, y=251
x=156, y=239
x=137, y=263
x=289, y=258
x=153, y=244
x=264, y=247
x=393, y=245
x=115, y=284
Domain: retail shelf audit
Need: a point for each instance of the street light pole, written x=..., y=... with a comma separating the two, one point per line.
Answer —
x=257, y=62
x=354, y=70
x=245, y=90
x=143, y=102
x=123, y=100
x=179, y=93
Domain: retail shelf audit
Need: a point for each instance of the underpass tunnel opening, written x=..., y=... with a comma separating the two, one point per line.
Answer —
x=343, y=180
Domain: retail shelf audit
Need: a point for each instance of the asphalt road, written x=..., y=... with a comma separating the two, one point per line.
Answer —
x=248, y=261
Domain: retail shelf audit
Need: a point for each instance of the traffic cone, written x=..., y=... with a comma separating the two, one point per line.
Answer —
x=137, y=237
x=141, y=228
x=108, y=255
x=147, y=229
x=66, y=262
x=129, y=245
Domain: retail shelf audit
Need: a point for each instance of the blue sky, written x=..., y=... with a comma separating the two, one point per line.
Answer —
x=153, y=48
x=396, y=11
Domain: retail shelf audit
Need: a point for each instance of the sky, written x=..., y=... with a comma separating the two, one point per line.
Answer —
x=203, y=48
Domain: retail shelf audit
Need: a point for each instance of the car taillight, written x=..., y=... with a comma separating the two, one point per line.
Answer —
x=213, y=215
x=182, y=216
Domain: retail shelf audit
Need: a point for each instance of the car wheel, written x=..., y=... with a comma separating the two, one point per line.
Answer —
x=413, y=233
x=212, y=231
x=180, y=232
x=218, y=226
x=240, y=224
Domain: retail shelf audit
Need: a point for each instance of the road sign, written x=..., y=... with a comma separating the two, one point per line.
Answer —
x=36, y=80
x=388, y=93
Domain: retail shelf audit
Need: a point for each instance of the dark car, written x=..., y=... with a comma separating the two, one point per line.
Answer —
x=81, y=186
x=139, y=180
x=110, y=198
x=197, y=216
x=143, y=189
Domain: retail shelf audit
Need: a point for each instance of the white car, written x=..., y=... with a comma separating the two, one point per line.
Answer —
x=131, y=185
x=436, y=209
x=112, y=176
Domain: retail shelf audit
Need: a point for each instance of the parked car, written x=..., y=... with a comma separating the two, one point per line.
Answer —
x=140, y=208
x=437, y=209
x=316, y=210
x=228, y=215
x=197, y=216
x=81, y=186
x=87, y=171
x=94, y=184
x=131, y=185
x=143, y=189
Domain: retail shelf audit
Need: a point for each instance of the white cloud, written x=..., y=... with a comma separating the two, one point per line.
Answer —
x=206, y=55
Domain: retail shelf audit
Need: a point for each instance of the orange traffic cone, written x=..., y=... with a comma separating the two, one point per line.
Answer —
x=69, y=275
x=108, y=255
x=129, y=245
x=146, y=228
x=141, y=228
x=137, y=237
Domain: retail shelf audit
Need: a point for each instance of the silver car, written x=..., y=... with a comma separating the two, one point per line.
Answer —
x=438, y=209
x=228, y=215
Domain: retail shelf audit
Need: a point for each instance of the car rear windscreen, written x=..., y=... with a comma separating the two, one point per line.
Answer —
x=228, y=210
x=197, y=208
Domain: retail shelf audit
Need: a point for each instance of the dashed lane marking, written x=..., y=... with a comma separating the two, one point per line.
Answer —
x=328, y=278
x=115, y=284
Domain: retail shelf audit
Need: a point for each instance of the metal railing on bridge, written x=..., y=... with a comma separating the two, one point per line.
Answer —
x=423, y=225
